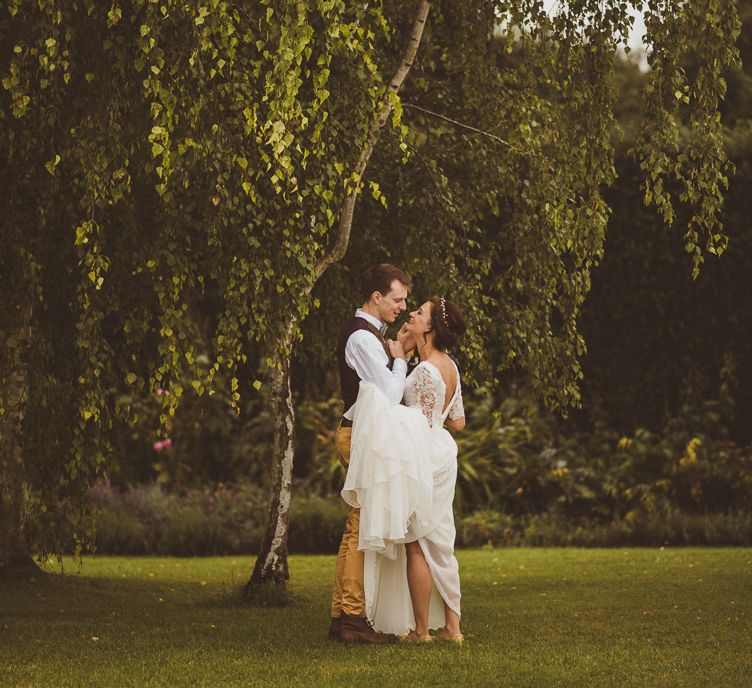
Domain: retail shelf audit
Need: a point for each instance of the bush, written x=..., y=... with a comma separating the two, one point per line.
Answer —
x=231, y=520
x=519, y=460
x=487, y=528
x=316, y=525
x=205, y=441
x=524, y=478
x=649, y=529
x=145, y=519
x=219, y=520
x=119, y=531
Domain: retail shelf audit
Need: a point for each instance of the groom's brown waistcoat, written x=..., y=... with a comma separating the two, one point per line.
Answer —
x=349, y=381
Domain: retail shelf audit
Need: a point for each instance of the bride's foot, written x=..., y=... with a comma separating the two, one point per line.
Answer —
x=413, y=637
x=445, y=634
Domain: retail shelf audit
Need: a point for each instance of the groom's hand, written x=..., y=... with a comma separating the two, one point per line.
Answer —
x=395, y=349
x=406, y=339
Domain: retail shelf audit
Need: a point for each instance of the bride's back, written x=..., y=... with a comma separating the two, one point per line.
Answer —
x=444, y=364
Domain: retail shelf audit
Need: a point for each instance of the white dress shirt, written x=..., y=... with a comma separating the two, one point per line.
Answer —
x=365, y=354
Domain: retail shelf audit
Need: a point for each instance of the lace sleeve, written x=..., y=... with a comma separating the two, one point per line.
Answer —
x=425, y=391
x=457, y=409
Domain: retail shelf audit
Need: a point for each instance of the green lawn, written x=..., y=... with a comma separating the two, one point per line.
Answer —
x=532, y=617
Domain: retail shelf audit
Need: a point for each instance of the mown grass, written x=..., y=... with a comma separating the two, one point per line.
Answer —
x=540, y=617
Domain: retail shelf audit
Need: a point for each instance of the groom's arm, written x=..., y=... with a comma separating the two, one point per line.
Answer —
x=365, y=354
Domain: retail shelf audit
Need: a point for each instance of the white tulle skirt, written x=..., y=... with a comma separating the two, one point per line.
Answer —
x=402, y=475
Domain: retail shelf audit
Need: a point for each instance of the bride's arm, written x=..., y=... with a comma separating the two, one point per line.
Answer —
x=455, y=423
x=456, y=416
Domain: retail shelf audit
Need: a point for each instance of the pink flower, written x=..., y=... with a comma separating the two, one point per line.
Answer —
x=166, y=443
x=158, y=446
x=159, y=391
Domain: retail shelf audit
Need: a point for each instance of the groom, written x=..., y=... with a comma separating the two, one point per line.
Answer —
x=364, y=354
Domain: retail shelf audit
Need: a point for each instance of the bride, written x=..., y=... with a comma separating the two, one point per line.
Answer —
x=402, y=473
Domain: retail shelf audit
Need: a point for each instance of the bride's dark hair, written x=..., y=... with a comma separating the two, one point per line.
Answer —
x=448, y=323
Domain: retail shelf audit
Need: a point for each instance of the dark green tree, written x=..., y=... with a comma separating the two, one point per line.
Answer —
x=158, y=149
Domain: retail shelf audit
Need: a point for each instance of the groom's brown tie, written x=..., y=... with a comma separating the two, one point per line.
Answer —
x=380, y=334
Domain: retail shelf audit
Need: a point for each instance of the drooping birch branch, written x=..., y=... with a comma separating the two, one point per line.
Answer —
x=469, y=127
x=338, y=250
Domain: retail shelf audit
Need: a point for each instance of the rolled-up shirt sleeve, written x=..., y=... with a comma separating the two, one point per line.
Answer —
x=365, y=354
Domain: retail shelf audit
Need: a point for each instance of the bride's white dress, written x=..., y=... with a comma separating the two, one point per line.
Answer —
x=402, y=473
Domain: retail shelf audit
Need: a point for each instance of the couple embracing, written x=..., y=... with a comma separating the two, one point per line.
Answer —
x=396, y=574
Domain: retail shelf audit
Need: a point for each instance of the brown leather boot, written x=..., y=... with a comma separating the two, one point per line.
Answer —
x=354, y=629
x=334, y=628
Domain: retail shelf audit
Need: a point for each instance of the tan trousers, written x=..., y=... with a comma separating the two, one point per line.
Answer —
x=348, y=596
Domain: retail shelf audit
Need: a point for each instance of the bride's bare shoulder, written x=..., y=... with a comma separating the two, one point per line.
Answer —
x=443, y=365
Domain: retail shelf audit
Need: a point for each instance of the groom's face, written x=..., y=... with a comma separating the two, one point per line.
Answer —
x=390, y=305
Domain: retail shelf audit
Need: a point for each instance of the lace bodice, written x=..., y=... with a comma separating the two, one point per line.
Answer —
x=425, y=388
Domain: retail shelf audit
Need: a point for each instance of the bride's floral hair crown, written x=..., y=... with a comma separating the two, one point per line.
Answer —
x=442, y=308
x=448, y=321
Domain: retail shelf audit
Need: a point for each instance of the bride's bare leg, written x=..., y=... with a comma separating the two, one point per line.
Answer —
x=452, y=625
x=419, y=582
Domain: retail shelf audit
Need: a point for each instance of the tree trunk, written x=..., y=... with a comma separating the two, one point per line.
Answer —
x=271, y=564
x=14, y=550
x=14, y=553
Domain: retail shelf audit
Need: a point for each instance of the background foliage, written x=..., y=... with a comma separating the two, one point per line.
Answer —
x=173, y=174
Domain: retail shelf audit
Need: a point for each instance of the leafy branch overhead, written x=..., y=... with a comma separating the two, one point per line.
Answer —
x=179, y=176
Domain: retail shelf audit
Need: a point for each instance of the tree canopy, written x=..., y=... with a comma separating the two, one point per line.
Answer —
x=162, y=154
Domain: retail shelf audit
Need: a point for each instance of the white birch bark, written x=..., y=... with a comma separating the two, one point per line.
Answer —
x=271, y=564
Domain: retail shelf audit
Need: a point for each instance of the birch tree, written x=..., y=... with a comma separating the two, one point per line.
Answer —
x=154, y=150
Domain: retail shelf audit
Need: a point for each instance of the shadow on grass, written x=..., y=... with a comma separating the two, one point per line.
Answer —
x=22, y=591
x=266, y=595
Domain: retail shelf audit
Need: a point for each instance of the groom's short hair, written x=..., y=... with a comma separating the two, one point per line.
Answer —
x=380, y=277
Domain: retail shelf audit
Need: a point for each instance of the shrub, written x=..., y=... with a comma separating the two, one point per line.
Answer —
x=487, y=527
x=218, y=520
x=120, y=532
x=146, y=519
x=207, y=441
x=650, y=529
x=316, y=525
x=519, y=460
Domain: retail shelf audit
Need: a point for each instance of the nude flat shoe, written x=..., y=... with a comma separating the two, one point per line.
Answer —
x=457, y=638
x=413, y=637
